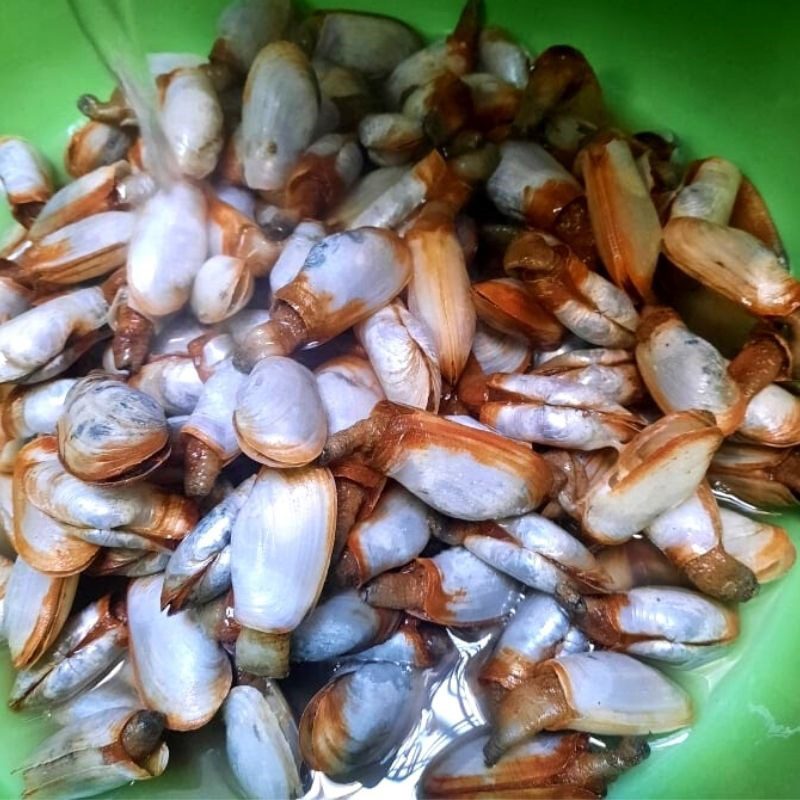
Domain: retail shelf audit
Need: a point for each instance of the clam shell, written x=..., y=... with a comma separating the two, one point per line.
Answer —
x=223, y=287
x=348, y=389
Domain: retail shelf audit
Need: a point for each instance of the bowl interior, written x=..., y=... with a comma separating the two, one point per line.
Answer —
x=724, y=77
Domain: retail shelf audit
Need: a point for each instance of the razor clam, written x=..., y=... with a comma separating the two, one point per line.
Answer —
x=439, y=292
x=624, y=219
x=656, y=471
x=275, y=131
x=341, y=625
x=245, y=26
x=39, y=335
x=200, y=549
x=179, y=670
x=441, y=462
x=210, y=435
x=597, y=692
x=396, y=531
x=295, y=250
x=111, y=432
x=191, y=116
x=662, y=623
x=172, y=381
x=35, y=608
x=281, y=547
x=683, y=371
x=291, y=429
x=344, y=279
x=25, y=177
x=89, y=645
x=360, y=717
x=690, y=535
x=452, y=588
x=766, y=549
x=403, y=355
x=530, y=185
x=96, y=754
x=539, y=630
x=348, y=389
x=551, y=765
x=95, y=144
x=223, y=287
x=262, y=742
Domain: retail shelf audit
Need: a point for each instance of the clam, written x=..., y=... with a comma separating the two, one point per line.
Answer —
x=279, y=114
x=128, y=563
x=96, y=754
x=711, y=192
x=360, y=717
x=599, y=692
x=656, y=471
x=637, y=562
x=345, y=278
x=535, y=551
x=35, y=608
x=25, y=177
x=110, y=432
x=210, y=435
x=530, y=185
x=348, y=389
x=414, y=644
x=494, y=101
x=551, y=765
x=342, y=624
x=294, y=252
x=370, y=43
x=690, y=535
x=539, y=630
x=88, y=647
x=452, y=588
x=262, y=742
x=396, y=531
x=500, y=55
x=180, y=671
x=508, y=306
x=764, y=548
x=191, y=117
x=245, y=26
x=556, y=412
x=441, y=462
x=496, y=352
x=682, y=371
x=167, y=249
x=772, y=418
x=31, y=410
x=733, y=263
x=223, y=287
x=14, y=299
x=391, y=139
x=751, y=214
x=172, y=381
x=662, y=623
x=583, y=302
x=290, y=429
x=37, y=337
x=404, y=356
x=95, y=144
x=280, y=551
x=624, y=220
x=440, y=107
x=200, y=550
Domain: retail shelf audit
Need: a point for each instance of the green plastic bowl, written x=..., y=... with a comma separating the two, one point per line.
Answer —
x=723, y=75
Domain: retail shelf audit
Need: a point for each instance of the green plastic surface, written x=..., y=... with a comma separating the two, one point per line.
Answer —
x=724, y=76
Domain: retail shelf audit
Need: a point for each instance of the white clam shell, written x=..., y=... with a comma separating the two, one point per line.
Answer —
x=688, y=530
x=349, y=390
x=294, y=252
x=245, y=26
x=172, y=381
x=180, y=671
x=281, y=546
x=279, y=418
x=37, y=409
x=766, y=549
x=222, y=287
x=711, y=194
x=503, y=57
x=772, y=418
